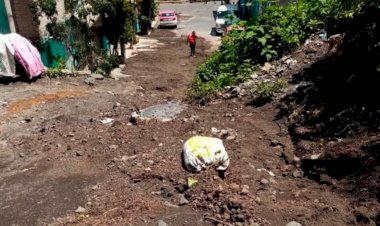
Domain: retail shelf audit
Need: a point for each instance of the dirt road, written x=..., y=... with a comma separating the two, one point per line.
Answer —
x=57, y=155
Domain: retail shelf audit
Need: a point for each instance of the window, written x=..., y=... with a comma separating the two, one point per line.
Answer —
x=167, y=14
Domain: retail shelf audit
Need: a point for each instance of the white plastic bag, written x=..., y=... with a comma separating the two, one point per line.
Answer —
x=200, y=152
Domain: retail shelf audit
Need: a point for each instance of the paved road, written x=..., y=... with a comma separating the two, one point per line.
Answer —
x=195, y=16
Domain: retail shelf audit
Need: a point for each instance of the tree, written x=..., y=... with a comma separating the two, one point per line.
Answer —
x=148, y=10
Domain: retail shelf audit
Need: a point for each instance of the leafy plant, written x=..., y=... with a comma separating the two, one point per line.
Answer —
x=104, y=64
x=56, y=72
x=278, y=31
x=266, y=90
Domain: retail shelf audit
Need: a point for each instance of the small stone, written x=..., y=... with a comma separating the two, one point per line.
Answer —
x=325, y=179
x=79, y=153
x=231, y=137
x=71, y=134
x=89, y=81
x=254, y=76
x=162, y=223
x=80, y=210
x=267, y=67
x=22, y=155
x=275, y=143
x=183, y=200
x=258, y=200
x=235, y=186
x=151, y=162
x=113, y=147
x=279, y=70
x=298, y=173
x=289, y=158
x=264, y=181
x=134, y=117
x=315, y=157
x=154, y=138
x=293, y=223
x=97, y=76
x=214, y=131
x=223, y=133
x=245, y=190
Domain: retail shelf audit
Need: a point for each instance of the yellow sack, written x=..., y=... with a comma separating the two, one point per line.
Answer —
x=200, y=152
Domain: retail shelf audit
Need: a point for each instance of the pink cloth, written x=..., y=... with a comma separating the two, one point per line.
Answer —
x=26, y=54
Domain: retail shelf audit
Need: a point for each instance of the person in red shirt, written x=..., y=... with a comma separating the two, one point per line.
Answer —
x=192, y=40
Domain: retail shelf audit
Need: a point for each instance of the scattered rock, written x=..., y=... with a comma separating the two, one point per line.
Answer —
x=258, y=200
x=111, y=93
x=289, y=158
x=107, y=120
x=97, y=76
x=325, y=179
x=279, y=71
x=254, y=76
x=113, y=147
x=223, y=133
x=116, y=105
x=183, y=200
x=84, y=72
x=235, y=186
x=214, y=131
x=298, y=173
x=293, y=223
x=264, y=181
x=245, y=190
x=267, y=67
x=79, y=153
x=231, y=137
x=275, y=143
x=162, y=223
x=134, y=117
x=22, y=155
x=80, y=210
x=71, y=134
x=315, y=157
x=169, y=204
x=290, y=62
x=89, y=81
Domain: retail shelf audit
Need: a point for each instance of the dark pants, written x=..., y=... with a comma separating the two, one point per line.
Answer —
x=192, y=49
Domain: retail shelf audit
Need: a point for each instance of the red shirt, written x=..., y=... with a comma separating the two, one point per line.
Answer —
x=192, y=38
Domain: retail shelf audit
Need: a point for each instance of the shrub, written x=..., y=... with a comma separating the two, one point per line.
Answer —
x=278, y=31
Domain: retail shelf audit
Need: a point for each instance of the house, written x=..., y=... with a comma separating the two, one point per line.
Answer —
x=16, y=16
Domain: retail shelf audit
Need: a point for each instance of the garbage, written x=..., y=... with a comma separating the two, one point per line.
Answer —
x=7, y=63
x=25, y=53
x=191, y=181
x=200, y=152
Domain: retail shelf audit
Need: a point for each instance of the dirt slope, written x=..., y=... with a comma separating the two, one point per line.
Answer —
x=56, y=155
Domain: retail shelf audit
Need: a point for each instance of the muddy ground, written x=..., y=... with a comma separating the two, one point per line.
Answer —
x=56, y=155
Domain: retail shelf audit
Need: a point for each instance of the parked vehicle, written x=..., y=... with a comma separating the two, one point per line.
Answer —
x=225, y=16
x=168, y=18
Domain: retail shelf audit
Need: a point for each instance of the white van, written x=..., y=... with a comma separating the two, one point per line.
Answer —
x=222, y=14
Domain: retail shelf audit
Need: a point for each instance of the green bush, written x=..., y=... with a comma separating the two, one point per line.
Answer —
x=278, y=31
x=267, y=90
x=104, y=64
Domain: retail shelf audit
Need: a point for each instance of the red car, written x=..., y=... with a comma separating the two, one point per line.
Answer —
x=168, y=18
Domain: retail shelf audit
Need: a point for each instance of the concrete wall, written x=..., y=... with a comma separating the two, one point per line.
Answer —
x=23, y=19
x=44, y=20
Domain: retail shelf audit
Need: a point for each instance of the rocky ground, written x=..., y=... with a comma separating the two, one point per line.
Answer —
x=74, y=154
